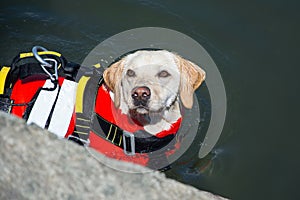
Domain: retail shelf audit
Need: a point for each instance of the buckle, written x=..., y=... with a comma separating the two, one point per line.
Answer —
x=129, y=135
x=85, y=143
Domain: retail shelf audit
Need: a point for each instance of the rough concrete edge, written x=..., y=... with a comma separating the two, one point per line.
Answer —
x=57, y=140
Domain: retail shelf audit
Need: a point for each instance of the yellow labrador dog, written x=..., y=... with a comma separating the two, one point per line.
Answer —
x=149, y=85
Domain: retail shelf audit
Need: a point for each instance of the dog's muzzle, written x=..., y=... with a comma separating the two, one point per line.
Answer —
x=140, y=96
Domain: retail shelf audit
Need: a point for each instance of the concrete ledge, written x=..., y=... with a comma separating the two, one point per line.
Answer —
x=36, y=165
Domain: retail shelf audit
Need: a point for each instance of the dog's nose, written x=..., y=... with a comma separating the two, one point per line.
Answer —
x=141, y=94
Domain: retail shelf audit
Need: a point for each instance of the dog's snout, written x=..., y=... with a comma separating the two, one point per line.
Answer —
x=141, y=94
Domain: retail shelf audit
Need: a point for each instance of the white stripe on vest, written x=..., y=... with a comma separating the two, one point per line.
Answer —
x=43, y=105
x=64, y=109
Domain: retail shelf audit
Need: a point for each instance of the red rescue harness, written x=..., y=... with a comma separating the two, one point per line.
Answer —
x=104, y=107
x=105, y=127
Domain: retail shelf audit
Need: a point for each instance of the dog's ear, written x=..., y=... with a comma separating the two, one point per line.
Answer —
x=112, y=78
x=191, y=77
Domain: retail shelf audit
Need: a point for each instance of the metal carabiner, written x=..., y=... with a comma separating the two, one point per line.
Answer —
x=38, y=57
x=44, y=64
x=54, y=76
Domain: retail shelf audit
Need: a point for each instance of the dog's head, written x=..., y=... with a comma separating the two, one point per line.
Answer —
x=148, y=82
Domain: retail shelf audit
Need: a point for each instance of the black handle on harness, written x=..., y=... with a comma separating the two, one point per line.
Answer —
x=26, y=67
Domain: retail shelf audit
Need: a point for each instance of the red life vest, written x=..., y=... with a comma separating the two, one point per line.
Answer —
x=104, y=107
x=107, y=140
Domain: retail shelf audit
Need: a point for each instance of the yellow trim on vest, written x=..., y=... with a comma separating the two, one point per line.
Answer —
x=80, y=132
x=82, y=119
x=30, y=54
x=120, y=141
x=109, y=132
x=3, y=74
x=80, y=92
x=82, y=126
x=115, y=133
x=98, y=65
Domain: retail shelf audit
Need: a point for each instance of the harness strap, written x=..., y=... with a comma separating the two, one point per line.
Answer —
x=107, y=130
x=144, y=142
x=80, y=92
x=85, y=101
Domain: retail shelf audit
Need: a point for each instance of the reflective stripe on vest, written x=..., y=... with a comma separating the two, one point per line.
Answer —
x=3, y=74
x=63, y=109
x=43, y=105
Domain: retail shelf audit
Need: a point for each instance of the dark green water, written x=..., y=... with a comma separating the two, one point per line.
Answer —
x=254, y=43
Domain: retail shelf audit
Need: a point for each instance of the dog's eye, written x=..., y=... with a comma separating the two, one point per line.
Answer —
x=163, y=74
x=130, y=73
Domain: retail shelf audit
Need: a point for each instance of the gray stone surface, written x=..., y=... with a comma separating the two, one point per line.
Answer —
x=35, y=164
